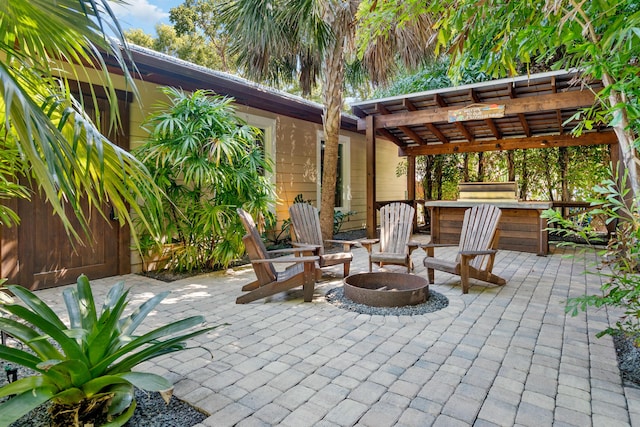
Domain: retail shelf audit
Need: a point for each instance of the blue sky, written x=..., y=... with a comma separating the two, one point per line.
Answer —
x=144, y=14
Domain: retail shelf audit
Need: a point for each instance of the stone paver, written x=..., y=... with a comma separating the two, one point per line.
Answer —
x=496, y=356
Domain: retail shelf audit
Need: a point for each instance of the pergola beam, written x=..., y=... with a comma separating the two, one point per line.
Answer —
x=548, y=102
x=432, y=128
x=404, y=129
x=547, y=141
x=461, y=127
x=489, y=122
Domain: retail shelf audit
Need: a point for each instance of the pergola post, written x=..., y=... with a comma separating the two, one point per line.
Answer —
x=411, y=187
x=370, y=134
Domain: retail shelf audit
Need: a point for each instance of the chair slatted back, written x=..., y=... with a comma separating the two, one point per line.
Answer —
x=396, y=226
x=479, y=233
x=265, y=272
x=306, y=225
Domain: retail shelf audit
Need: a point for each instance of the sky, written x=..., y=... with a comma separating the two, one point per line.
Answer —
x=144, y=14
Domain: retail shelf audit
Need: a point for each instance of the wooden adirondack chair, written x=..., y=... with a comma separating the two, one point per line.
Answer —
x=476, y=250
x=396, y=226
x=269, y=281
x=306, y=230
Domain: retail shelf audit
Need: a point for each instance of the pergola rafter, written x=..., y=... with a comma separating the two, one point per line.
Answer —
x=539, y=111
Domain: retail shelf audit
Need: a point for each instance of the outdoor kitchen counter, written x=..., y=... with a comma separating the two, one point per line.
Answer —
x=521, y=228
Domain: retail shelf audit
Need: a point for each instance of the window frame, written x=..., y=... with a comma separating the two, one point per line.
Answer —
x=345, y=141
x=268, y=126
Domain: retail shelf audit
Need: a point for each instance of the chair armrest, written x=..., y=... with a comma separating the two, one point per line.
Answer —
x=346, y=244
x=368, y=243
x=305, y=245
x=435, y=245
x=287, y=259
x=297, y=250
x=429, y=247
x=476, y=253
x=412, y=246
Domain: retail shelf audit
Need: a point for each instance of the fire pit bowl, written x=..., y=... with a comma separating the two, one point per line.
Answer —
x=382, y=289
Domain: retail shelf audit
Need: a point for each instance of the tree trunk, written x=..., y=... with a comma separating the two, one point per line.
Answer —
x=429, y=178
x=511, y=166
x=563, y=164
x=465, y=167
x=333, y=73
x=480, y=167
x=524, y=180
x=547, y=173
x=438, y=175
x=625, y=136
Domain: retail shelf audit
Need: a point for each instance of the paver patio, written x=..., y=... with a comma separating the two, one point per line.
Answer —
x=496, y=356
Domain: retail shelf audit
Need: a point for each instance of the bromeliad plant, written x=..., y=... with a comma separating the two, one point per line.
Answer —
x=85, y=370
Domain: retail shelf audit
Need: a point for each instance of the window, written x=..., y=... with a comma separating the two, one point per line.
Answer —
x=267, y=139
x=343, y=178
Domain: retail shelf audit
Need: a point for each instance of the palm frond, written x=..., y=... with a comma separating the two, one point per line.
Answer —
x=62, y=150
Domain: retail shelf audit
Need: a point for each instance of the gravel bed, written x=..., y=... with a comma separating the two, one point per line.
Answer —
x=436, y=302
x=628, y=356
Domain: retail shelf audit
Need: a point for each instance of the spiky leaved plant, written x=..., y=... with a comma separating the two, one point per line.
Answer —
x=85, y=369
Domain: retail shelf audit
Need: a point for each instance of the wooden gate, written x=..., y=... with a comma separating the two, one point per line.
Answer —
x=38, y=253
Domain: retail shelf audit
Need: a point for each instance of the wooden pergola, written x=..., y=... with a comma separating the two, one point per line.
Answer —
x=533, y=111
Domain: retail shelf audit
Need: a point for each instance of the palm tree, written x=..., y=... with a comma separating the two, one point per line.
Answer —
x=307, y=39
x=47, y=140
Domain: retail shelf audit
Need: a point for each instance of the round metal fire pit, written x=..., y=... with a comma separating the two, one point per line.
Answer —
x=382, y=289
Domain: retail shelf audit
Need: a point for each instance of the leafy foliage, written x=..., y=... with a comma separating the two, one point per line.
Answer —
x=620, y=260
x=89, y=361
x=601, y=38
x=50, y=142
x=208, y=163
x=432, y=75
x=190, y=47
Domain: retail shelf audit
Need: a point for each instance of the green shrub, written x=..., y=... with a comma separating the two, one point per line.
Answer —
x=85, y=369
x=619, y=260
x=208, y=162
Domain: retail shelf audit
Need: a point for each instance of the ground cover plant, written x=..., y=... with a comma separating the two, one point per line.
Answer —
x=85, y=369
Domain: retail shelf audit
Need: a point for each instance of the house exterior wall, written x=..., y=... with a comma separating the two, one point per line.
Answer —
x=388, y=185
x=296, y=156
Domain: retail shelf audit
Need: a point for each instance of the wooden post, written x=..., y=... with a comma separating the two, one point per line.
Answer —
x=371, y=178
x=411, y=188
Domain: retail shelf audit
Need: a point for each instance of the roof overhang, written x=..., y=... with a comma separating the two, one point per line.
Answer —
x=161, y=69
x=533, y=111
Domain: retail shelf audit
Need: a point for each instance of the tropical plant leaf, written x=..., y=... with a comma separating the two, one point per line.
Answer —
x=123, y=397
x=88, y=305
x=72, y=303
x=19, y=405
x=131, y=323
x=106, y=334
x=75, y=370
x=36, y=305
x=23, y=333
x=21, y=357
x=151, y=337
x=69, y=396
x=26, y=385
x=147, y=381
x=99, y=384
x=69, y=346
x=155, y=350
x=122, y=419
